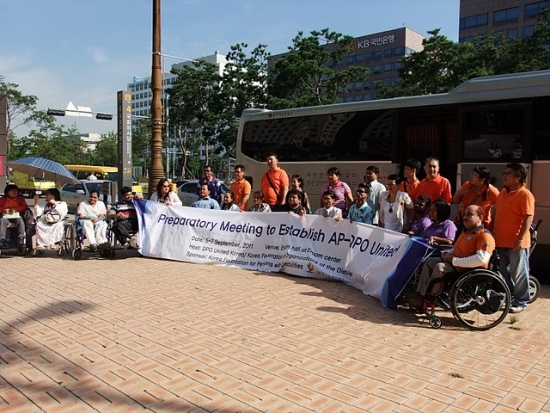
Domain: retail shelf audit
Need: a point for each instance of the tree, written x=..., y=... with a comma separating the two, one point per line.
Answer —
x=19, y=105
x=141, y=141
x=196, y=101
x=305, y=76
x=244, y=85
x=106, y=150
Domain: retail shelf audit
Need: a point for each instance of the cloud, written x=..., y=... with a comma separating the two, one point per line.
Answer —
x=98, y=55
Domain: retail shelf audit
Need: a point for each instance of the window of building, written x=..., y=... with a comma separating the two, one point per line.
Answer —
x=506, y=15
x=398, y=65
x=368, y=57
x=358, y=85
x=471, y=22
x=398, y=51
x=358, y=58
x=358, y=98
x=367, y=96
x=533, y=9
x=377, y=55
x=513, y=33
x=367, y=84
x=465, y=39
x=528, y=31
x=388, y=53
x=388, y=67
x=408, y=51
x=340, y=100
x=377, y=69
x=349, y=99
x=387, y=81
x=350, y=60
x=350, y=87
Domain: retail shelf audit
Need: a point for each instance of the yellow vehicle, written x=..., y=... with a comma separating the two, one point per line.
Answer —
x=29, y=184
x=109, y=173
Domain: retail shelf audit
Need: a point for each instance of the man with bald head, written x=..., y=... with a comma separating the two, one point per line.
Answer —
x=472, y=249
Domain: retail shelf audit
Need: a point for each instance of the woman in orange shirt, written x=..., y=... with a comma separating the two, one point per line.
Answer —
x=478, y=191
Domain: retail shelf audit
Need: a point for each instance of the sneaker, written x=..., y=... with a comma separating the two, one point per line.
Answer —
x=41, y=248
x=93, y=247
x=21, y=242
x=516, y=309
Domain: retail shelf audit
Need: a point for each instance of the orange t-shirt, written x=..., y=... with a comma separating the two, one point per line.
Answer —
x=240, y=189
x=469, y=242
x=412, y=189
x=485, y=203
x=438, y=188
x=279, y=178
x=511, y=209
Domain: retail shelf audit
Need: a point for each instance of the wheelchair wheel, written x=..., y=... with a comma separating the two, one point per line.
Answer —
x=444, y=300
x=435, y=321
x=534, y=288
x=480, y=300
x=77, y=253
x=70, y=238
x=105, y=253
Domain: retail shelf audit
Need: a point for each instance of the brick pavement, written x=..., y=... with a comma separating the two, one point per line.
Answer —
x=136, y=334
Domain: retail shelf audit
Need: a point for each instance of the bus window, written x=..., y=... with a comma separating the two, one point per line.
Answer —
x=495, y=133
x=346, y=136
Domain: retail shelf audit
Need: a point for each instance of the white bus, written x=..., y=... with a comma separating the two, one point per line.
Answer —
x=490, y=120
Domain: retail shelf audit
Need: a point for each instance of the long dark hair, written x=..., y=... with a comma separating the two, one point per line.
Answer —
x=160, y=184
x=55, y=193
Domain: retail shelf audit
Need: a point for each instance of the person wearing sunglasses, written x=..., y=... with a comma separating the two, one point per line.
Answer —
x=360, y=211
x=164, y=194
x=91, y=215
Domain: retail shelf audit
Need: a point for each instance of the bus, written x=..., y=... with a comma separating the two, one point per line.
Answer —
x=491, y=120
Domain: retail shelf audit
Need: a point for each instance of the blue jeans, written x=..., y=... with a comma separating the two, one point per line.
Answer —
x=514, y=267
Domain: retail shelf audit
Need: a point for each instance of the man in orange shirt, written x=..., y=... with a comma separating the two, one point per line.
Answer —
x=473, y=249
x=434, y=185
x=241, y=188
x=514, y=212
x=411, y=182
x=274, y=184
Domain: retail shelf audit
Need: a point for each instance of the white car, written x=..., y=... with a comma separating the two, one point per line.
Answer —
x=187, y=192
x=73, y=194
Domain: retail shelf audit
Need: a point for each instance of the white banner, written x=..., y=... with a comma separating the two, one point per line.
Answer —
x=377, y=261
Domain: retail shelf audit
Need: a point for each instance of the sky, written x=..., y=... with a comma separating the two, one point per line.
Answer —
x=83, y=51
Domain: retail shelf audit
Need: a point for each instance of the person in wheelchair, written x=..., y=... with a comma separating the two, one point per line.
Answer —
x=124, y=214
x=12, y=209
x=473, y=249
x=91, y=215
x=49, y=225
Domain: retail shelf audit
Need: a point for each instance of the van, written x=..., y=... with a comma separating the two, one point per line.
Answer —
x=28, y=184
x=108, y=173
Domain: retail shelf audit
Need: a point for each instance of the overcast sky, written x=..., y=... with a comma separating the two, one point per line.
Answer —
x=84, y=51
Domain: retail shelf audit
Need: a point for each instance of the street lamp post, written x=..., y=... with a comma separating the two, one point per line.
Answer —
x=156, y=170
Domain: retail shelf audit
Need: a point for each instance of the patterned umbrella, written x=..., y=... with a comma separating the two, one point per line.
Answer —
x=44, y=169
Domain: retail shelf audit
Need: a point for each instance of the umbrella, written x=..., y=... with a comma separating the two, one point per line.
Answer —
x=44, y=169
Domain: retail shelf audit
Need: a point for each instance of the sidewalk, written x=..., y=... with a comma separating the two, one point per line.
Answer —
x=136, y=334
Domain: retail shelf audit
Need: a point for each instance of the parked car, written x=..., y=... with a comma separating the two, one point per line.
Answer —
x=187, y=192
x=73, y=194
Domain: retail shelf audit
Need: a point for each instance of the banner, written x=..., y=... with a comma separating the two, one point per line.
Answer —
x=377, y=261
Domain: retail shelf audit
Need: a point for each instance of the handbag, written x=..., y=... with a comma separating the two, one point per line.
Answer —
x=52, y=216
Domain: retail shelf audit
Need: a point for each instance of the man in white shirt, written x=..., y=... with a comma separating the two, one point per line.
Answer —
x=375, y=189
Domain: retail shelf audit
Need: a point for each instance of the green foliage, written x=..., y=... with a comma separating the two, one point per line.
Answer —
x=305, y=75
x=443, y=64
x=106, y=151
x=141, y=142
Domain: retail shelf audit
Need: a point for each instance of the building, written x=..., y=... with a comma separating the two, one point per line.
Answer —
x=512, y=18
x=142, y=94
x=381, y=53
x=90, y=139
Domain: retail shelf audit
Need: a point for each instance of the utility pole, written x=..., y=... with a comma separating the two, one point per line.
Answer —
x=156, y=170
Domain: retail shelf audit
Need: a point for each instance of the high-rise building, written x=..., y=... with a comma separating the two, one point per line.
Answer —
x=142, y=95
x=380, y=53
x=512, y=18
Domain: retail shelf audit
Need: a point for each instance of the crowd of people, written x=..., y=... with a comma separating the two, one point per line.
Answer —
x=488, y=218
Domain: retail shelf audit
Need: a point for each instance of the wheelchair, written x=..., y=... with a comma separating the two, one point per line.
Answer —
x=12, y=237
x=114, y=245
x=73, y=242
x=478, y=298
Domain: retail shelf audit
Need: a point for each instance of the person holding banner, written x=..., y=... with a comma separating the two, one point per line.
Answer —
x=228, y=204
x=124, y=212
x=164, y=194
x=205, y=202
x=295, y=202
x=473, y=249
x=393, y=204
x=329, y=210
x=360, y=211
x=259, y=204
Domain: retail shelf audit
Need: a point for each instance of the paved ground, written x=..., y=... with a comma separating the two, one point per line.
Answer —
x=138, y=334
